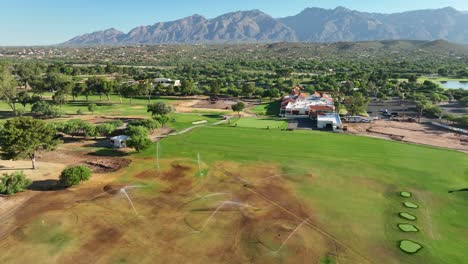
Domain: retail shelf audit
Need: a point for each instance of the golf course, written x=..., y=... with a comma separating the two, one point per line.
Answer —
x=242, y=194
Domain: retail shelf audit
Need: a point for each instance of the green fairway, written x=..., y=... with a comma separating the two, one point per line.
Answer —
x=113, y=107
x=180, y=121
x=268, y=109
x=349, y=181
x=265, y=123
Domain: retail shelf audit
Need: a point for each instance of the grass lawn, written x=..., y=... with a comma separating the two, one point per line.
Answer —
x=269, y=109
x=259, y=123
x=180, y=121
x=353, y=184
x=113, y=107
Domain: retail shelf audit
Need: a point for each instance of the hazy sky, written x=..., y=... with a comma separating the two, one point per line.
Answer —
x=41, y=22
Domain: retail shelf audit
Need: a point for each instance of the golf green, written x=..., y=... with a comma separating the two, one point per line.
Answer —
x=409, y=246
x=405, y=194
x=408, y=228
x=410, y=205
x=407, y=216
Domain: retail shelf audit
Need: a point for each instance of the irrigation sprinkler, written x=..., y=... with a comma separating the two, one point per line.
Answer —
x=205, y=224
x=157, y=157
x=200, y=173
x=124, y=191
x=129, y=200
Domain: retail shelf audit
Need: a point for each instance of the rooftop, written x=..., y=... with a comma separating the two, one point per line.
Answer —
x=330, y=117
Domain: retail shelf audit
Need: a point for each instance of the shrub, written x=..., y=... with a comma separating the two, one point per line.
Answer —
x=92, y=108
x=433, y=111
x=75, y=175
x=79, y=112
x=13, y=183
x=464, y=101
x=148, y=123
x=45, y=109
x=105, y=129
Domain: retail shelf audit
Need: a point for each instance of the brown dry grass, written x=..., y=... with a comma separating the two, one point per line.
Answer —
x=172, y=225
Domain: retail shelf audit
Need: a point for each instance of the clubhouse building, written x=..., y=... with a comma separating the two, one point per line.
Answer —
x=302, y=105
x=318, y=106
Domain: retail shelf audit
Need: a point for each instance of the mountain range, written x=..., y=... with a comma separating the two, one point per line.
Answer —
x=310, y=25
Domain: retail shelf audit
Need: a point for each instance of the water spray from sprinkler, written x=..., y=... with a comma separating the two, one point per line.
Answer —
x=290, y=235
x=157, y=156
x=200, y=173
x=217, y=210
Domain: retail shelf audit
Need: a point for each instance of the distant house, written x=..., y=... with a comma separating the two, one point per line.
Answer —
x=119, y=141
x=166, y=82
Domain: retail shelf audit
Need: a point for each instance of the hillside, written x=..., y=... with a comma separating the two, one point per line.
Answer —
x=310, y=25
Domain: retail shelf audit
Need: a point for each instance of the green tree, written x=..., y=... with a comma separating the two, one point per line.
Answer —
x=106, y=129
x=188, y=87
x=59, y=98
x=8, y=88
x=215, y=88
x=358, y=104
x=162, y=119
x=129, y=91
x=24, y=98
x=464, y=101
x=138, y=138
x=22, y=137
x=239, y=107
x=159, y=109
x=14, y=183
x=248, y=89
x=412, y=78
x=96, y=86
x=107, y=88
x=75, y=175
x=421, y=106
x=45, y=109
x=146, y=89
x=78, y=89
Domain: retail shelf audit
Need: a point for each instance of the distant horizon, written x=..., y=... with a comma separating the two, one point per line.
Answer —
x=52, y=22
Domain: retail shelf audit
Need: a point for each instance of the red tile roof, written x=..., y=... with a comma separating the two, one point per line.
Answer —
x=321, y=108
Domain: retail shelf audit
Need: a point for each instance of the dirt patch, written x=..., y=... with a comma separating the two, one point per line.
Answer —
x=112, y=188
x=411, y=132
x=219, y=104
x=176, y=172
x=146, y=175
x=107, y=165
x=189, y=106
x=98, y=164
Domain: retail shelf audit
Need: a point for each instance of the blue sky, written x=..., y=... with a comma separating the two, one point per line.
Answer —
x=42, y=22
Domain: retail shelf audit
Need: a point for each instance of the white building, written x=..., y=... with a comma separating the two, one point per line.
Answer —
x=329, y=121
x=119, y=141
x=166, y=82
x=301, y=105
